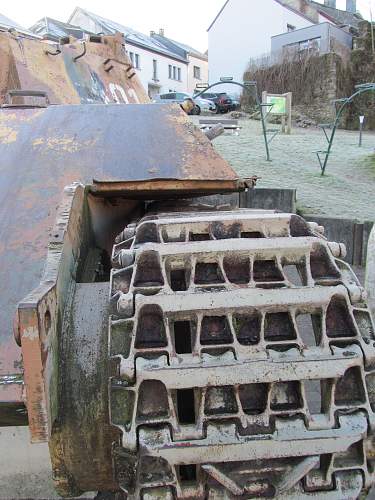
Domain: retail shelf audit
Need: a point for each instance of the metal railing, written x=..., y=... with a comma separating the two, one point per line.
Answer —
x=251, y=88
x=340, y=105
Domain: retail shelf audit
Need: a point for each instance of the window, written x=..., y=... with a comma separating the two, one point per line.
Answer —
x=155, y=69
x=312, y=45
x=290, y=27
x=174, y=73
x=197, y=72
x=135, y=59
x=171, y=95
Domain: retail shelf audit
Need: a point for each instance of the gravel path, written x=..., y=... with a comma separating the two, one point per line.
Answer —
x=348, y=188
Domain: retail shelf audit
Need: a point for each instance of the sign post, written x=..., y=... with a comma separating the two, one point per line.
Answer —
x=361, y=122
x=280, y=105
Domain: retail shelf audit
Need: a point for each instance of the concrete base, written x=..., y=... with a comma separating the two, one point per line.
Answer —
x=25, y=468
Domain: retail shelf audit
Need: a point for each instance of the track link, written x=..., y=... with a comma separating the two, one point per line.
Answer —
x=243, y=360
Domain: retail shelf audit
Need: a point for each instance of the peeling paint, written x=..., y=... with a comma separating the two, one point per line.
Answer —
x=30, y=333
x=7, y=135
x=64, y=143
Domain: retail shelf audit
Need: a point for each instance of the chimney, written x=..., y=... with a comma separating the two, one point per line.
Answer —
x=152, y=33
x=330, y=3
x=161, y=31
x=351, y=6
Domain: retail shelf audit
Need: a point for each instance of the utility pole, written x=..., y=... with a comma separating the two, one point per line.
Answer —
x=372, y=30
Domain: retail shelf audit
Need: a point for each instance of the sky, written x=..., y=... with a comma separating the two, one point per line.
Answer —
x=185, y=21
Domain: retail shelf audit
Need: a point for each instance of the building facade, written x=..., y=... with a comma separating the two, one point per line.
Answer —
x=318, y=39
x=243, y=31
x=197, y=71
x=162, y=65
x=197, y=62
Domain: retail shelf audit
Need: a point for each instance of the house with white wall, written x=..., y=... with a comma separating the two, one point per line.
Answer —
x=197, y=61
x=161, y=66
x=243, y=30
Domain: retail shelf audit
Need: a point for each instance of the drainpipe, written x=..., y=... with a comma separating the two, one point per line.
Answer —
x=330, y=3
x=351, y=6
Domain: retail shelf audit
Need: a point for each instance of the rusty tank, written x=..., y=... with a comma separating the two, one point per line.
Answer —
x=172, y=346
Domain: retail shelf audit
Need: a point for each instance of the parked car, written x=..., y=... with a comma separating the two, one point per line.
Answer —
x=236, y=102
x=179, y=97
x=222, y=101
x=204, y=104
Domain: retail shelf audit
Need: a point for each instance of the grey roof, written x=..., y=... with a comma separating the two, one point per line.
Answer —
x=53, y=29
x=183, y=48
x=340, y=17
x=285, y=3
x=132, y=36
x=7, y=23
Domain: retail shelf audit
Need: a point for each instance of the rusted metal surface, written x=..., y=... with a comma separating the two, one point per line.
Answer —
x=80, y=459
x=208, y=346
x=120, y=143
x=170, y=188
x=103, y=73
x=40, y=313
x=65, y=355
x=241, y=359
x=245, y=360
x=43, y=150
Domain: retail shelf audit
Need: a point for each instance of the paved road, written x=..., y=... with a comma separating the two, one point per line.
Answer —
x=348, y=188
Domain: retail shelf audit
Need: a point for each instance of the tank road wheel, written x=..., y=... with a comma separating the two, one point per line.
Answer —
x=243, y=360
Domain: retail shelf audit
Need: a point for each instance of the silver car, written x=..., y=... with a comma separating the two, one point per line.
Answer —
x=179, y=97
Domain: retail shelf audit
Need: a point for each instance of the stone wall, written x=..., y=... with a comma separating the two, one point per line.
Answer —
x=316, y=81
x=362, y=71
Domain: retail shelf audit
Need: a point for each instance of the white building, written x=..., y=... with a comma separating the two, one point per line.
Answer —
x=161, y=64
x=197, y=62
x=243, y=29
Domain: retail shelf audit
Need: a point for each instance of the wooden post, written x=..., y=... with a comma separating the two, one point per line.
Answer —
x=264, y=109
x=289, y=112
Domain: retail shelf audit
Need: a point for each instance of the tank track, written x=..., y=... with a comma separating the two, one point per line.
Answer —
x=243, y=360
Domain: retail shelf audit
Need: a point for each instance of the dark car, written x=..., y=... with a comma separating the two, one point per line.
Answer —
x=221, y=100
